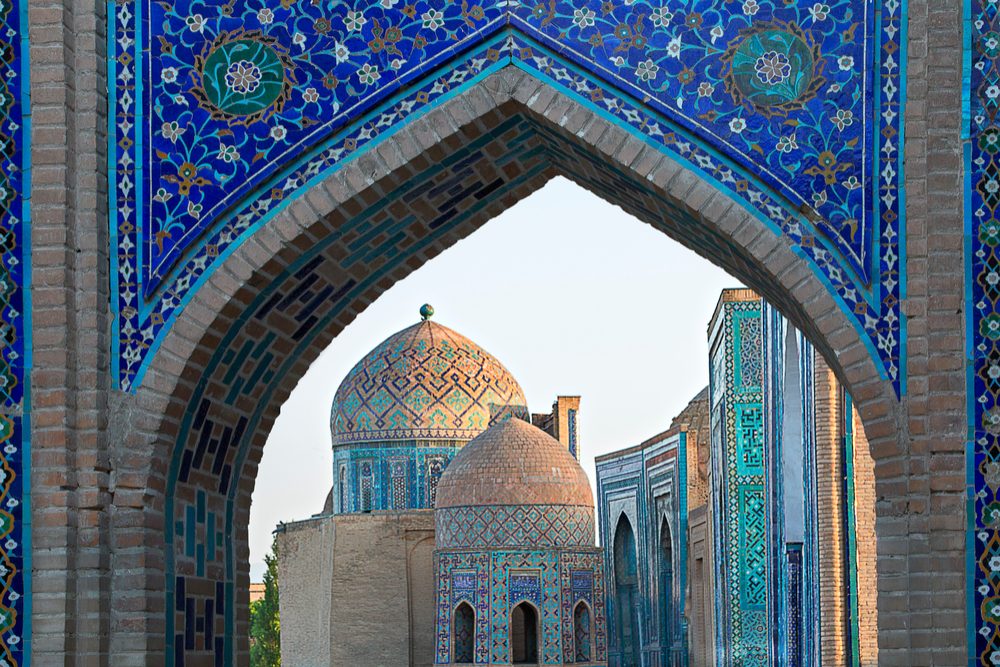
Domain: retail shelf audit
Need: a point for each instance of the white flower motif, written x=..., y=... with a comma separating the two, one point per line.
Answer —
x=819, y=11
x=169, y=74
x=705, y=89
x=845, y=63
x=355, y=21
x=787, y=144
x=737, y=125
x=309, y=95
x=171, y=131
x=584, y=18
x=646, y=71
x=433, y=19
x=843, y=118
x=243, y=77
x=661, y=16
x=195, y=22
x=368, y=74
x=278, y=132
x=750, y=7
x=341, y=52
x=228, y=154
x=265, y=16
x=674, y=47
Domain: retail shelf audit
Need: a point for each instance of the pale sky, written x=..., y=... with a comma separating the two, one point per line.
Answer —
x=573, y=295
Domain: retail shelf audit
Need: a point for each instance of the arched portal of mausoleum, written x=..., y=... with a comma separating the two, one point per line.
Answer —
x=270, y=169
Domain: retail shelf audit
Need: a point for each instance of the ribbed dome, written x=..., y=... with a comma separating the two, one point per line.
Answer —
x=514, y=463
x=426, y=382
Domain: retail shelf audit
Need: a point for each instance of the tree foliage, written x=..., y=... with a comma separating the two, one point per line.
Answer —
x=265, y=626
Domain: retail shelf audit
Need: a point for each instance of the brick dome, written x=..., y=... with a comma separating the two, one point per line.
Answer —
x=425, y=382
x=514, y=463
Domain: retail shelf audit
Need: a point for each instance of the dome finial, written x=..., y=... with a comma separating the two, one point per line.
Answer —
x=426, y=311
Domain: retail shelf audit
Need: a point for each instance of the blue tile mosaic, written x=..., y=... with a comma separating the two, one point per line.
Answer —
x=225, y=111
x=982, y=192
x=15, y=345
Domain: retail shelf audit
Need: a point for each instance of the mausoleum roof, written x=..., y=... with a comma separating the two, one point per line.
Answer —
x=426, y=382
x=514, y=463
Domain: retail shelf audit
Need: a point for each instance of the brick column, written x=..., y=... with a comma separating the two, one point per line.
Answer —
x=70, y=466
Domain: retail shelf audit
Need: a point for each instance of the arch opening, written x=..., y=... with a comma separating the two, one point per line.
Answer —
x=582, y=632
x=464, y=634
x=626, y=594
x=667, y=620
x=524, y=634
x=324, y=264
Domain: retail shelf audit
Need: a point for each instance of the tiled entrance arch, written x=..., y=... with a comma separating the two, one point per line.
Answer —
x=86, y=561
x=201, y=416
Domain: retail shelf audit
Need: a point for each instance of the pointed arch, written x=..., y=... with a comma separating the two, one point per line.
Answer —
x=668, y=622
x=583, y=632
x=463, y=634
x=524, y=634
x=626, y=598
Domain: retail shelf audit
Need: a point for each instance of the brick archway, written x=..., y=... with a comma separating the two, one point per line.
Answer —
x=191, y=437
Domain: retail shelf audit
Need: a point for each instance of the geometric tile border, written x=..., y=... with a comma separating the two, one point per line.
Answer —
x=15, y=347
x=982, y=279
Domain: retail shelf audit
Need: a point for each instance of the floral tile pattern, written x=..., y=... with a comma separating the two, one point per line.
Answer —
x=982, y=100
x=227, y=110
x=15, y=347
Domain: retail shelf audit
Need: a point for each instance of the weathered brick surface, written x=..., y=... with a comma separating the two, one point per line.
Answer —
x=830, y=518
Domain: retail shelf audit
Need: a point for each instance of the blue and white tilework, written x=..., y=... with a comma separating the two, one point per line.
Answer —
x=224, y=111
x=15, y=345
x=982, y=279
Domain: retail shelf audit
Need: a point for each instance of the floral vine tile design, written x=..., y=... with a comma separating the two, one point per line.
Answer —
x=226, y=110
x=15, y=346
x=982, y=94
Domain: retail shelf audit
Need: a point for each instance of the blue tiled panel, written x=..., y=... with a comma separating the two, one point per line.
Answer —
x=982, y=154
x=646, y=487
x=15, y=327
x=495, y=581
x=223, y=113
x=740, y=513
x=421, y=465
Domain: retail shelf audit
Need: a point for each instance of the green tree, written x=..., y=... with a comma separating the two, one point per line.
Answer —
x=265, y=626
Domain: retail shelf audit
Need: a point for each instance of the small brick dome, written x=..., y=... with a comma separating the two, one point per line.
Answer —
x=514, y=463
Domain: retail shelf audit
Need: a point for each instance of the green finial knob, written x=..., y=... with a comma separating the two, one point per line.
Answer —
x=426, y=311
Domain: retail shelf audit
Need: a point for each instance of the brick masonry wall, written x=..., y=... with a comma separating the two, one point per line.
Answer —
x=864, y=513
x=828, y=412
x=71, y=461
x=695, y=419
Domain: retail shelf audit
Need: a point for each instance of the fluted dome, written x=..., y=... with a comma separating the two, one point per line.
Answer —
x=514, y=463
x=426, y=382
